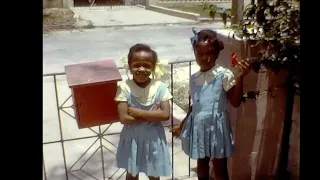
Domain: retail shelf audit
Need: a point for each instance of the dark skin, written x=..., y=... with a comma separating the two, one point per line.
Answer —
x=141, y=66
x=206, y=58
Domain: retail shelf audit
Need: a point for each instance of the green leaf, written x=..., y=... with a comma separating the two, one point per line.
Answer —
x=250, y=27
x=224, y=18
x=212, y=14
x=276, y=21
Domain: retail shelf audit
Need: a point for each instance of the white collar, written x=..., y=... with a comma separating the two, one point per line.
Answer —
x=211, y=72
x=147, y=92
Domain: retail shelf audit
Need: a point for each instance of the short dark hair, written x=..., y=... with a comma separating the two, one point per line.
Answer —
x=211, y=36
x=141, y=47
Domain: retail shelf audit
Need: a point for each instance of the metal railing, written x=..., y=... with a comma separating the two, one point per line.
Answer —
x=101, y=134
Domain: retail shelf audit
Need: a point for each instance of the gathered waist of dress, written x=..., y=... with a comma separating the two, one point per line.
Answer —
x=147, y=124
x=202, y=114
x=205, y=113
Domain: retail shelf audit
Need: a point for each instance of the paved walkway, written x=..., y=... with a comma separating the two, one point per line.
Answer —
x=126, y=15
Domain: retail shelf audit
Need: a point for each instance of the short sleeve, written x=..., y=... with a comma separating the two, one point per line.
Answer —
x=120, y=95
x=228, y=80
x=167, y=95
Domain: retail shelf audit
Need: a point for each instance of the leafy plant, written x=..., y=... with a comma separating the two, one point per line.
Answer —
x=225, y=13
x=271, y=25
x=274, y=25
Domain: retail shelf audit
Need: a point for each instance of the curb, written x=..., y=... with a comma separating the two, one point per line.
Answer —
x=143, y=25
x=173, y=12
x=205, y=19
x=183, y=14
x=138, y=25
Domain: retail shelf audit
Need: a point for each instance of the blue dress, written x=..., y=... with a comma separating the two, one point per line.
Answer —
x=143, y=147
x=207, y=131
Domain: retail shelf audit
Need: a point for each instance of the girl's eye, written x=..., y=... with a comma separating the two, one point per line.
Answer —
x=136, y=65
x=144, y=65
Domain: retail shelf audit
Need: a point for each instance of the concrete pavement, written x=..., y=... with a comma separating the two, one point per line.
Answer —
x=65, y=47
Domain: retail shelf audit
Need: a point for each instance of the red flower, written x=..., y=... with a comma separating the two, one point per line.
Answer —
x=234, y=60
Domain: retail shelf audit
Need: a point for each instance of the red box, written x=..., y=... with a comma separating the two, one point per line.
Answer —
x=94, y=87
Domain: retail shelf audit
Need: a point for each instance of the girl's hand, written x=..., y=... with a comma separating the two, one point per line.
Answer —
x=134, y=112
x=157, y=107
x=176, y=131
x=244, y=67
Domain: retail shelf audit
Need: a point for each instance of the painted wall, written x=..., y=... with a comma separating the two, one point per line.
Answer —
x=294, y=152
x=257, y=123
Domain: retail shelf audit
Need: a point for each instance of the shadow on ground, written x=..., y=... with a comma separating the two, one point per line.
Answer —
x=84, y=159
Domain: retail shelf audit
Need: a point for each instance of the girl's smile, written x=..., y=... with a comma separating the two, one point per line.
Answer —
x=142, y=65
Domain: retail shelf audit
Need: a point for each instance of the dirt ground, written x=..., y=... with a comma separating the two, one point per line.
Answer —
x=58, y=19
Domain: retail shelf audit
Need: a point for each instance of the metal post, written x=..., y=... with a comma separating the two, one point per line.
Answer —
x=101, y=146
x=172, y=157
x=189, y=109
x=44, y=168
x=60, y=127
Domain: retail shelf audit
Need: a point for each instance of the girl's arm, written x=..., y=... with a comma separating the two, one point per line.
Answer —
x=176, y=131
x=124, y=117
x=184, y=120
x=235, y=93
x=163, y=114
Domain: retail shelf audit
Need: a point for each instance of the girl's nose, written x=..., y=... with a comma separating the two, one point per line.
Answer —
x=204, y=58
x=141, y=69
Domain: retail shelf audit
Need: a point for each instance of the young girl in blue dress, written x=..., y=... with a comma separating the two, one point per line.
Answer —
x=206, y=132
x=142, y=104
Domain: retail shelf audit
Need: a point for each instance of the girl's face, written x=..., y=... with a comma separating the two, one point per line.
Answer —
x=141, y=66
x=205, y=56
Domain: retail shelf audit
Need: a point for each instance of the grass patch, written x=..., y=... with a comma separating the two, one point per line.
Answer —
x=181, y=95
x=180, y=90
